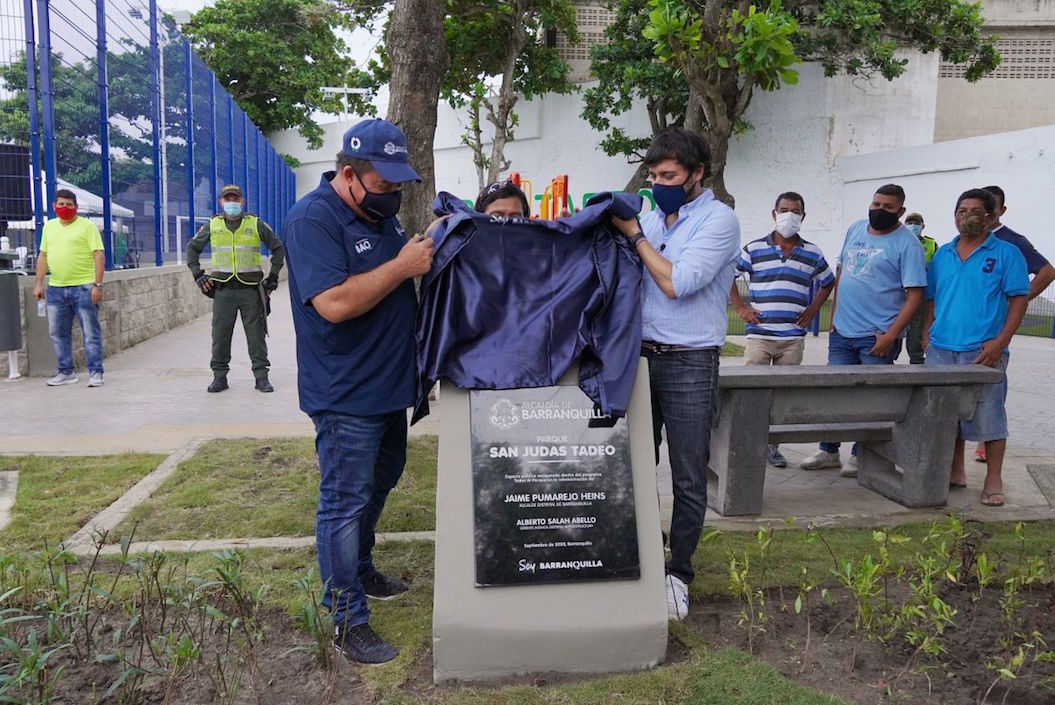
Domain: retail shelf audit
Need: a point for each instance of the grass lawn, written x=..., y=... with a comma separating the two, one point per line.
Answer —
x=253, y=488
x=793, y=549
x=57, y=495
x=732, y=350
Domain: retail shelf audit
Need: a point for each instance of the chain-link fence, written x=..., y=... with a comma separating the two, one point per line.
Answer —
x=107, y=99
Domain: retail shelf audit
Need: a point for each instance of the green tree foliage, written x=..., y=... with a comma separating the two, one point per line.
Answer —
x=717, y=52
x=498, y=53
x=629, y=75
x=274, y=56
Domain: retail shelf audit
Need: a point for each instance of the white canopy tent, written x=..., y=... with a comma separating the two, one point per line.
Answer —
x=88, y=204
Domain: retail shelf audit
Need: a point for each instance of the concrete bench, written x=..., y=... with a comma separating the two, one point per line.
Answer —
x=903, y=417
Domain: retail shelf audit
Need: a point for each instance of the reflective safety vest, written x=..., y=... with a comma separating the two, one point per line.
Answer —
x=234, y=253
x=930, y=246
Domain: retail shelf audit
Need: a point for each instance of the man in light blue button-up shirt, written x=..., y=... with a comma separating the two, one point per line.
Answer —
x=689, y=245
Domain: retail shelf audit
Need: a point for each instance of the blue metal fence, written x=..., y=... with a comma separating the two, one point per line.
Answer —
x=113, y=102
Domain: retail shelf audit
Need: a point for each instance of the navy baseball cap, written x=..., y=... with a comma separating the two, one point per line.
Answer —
x=383, y=145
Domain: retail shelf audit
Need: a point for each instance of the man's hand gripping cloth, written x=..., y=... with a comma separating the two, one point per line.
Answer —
x=514, y=302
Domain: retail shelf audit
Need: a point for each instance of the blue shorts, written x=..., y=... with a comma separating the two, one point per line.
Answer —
x=990, y=415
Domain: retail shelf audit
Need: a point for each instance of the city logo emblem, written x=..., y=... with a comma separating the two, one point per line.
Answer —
x=362, y=246
x=391, y=148
x=355, y=143
x=504, y=414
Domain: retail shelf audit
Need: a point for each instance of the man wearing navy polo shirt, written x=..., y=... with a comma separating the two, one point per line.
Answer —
x=977, y=290
x=688, y=246
x=350, y=281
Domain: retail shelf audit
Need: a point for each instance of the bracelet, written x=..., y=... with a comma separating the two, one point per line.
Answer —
x=636, y=238
x=98, y=286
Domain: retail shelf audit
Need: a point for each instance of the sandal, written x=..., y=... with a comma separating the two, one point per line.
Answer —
x=992, y=499
x=979, y=455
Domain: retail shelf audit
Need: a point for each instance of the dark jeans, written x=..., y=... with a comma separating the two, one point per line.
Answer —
x=360, y=460
x=684, y=397
x=64, y=304
x=228, y=302
x=854, y=351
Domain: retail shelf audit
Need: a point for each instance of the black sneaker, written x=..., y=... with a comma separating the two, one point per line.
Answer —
x=382, y=587
x=363, y=645
x=218, y=385
x=262, y=385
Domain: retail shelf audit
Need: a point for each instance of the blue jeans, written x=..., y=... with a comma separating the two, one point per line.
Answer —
x=360, y=459
x=684, y=398
x=989, y=422
x=854, y=351
x=65, y=302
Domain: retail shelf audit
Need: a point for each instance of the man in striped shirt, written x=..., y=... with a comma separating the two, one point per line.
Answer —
x=781, y=268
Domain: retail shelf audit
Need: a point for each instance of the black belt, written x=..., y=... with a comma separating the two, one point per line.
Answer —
x=662, y=348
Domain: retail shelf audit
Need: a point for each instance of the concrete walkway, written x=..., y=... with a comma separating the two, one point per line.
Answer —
x=154, y=400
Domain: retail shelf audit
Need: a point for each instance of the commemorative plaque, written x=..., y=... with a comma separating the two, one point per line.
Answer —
x=553, y=489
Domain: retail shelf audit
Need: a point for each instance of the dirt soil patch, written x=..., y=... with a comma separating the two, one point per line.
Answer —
x=282, y=671
x=826, y=654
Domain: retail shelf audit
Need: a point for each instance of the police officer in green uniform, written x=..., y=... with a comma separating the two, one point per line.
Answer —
x=914, y=332
x=235, y=283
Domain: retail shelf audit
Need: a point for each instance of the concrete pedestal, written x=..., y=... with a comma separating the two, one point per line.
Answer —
x=587, y=627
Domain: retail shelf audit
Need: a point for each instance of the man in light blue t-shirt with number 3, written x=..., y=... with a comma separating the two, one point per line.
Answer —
x=878, y=287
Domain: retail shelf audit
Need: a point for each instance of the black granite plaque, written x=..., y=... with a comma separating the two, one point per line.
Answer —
x=553, y=489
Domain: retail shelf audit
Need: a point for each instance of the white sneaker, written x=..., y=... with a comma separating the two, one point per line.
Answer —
x=62, y=378
x=95, y=379
x=820, y=460
x=850, y=470
x=677, y=598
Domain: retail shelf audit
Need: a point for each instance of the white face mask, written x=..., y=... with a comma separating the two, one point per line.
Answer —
x=788, y=223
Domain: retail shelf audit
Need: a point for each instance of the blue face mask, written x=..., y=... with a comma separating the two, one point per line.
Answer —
x=232, y=209
x=916, y=228
x=670, y=198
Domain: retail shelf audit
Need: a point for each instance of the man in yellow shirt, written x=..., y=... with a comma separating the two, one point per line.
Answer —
x=73, y=249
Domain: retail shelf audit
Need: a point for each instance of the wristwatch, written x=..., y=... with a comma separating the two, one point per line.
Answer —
x=636, y=238
x=98, y=285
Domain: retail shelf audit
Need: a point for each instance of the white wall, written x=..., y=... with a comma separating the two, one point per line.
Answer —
x=1002, y=13
x=799, y=133
x=1022, y=163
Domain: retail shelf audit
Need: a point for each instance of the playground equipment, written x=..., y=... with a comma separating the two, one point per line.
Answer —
x=554, y=197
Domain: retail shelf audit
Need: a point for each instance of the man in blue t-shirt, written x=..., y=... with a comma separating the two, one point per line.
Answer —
x=977, y=290
x=350, y=281
x=1037, y=266
x=878, y=287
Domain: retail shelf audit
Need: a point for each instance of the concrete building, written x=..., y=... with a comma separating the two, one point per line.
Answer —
x=1021, y=92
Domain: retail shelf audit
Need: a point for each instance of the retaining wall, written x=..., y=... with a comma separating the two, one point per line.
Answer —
x=137, y=305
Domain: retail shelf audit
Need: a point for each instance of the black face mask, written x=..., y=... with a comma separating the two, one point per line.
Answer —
x=378, y=206
x=881, y=219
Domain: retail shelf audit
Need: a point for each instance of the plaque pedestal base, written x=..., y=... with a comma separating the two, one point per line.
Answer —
x=485, y=633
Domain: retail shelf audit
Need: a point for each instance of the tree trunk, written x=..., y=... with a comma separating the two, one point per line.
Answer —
x=474, y=139
x=500, y=108
x=719, y=144
x=638, y=180
x=419, y=60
